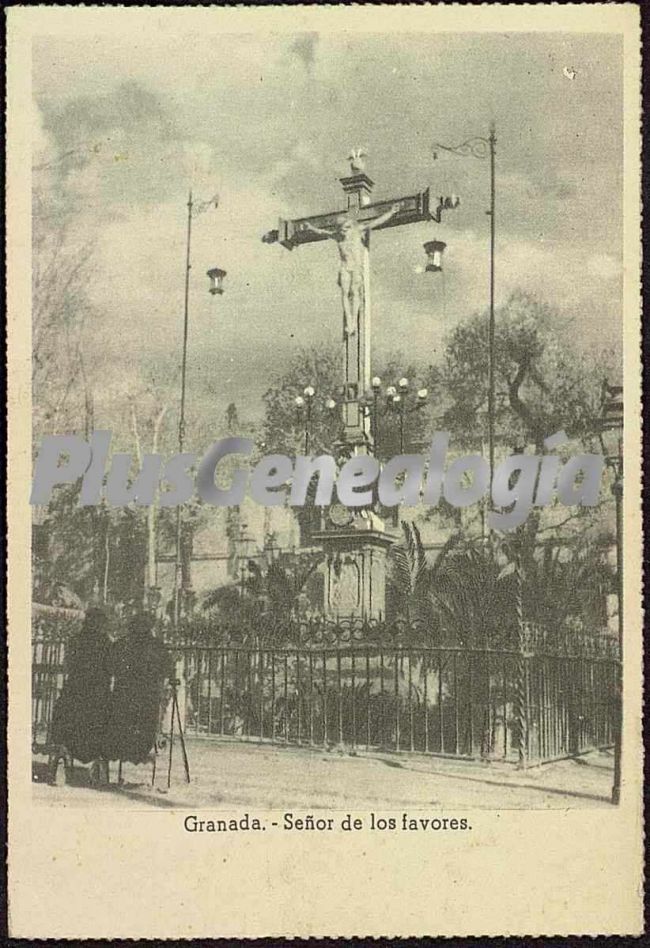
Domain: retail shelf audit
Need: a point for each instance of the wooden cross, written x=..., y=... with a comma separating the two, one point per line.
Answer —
x=411, y=209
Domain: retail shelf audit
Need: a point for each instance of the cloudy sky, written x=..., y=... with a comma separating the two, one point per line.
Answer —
x=267, y=122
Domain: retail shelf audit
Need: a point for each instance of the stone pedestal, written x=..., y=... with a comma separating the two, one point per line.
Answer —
x=355, y=569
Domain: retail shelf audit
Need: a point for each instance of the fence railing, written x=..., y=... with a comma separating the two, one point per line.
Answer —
x=462, y=702
x=48, y=675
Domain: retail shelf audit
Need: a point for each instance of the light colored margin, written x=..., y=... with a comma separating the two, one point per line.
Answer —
x=109, y=873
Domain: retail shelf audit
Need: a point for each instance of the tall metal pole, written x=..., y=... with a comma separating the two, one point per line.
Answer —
x=307, y=427
x=618, y=494
x=375, y=423
x=613, y=420
x=521, y=681
x=480, y=147
x=617, y=489
x=491, y=374
x=181, y=422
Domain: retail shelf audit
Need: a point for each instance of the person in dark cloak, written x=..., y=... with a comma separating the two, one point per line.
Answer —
x=141, y=666
x=81, y=712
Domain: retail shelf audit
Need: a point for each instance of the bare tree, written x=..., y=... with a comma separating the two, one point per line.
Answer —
x=61, y=271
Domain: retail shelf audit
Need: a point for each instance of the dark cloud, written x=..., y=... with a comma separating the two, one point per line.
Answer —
x=116, y=150
x=304, y=47
x=81, y=126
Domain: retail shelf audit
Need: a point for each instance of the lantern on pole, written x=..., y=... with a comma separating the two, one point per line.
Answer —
x=216, y=280
x=434, y=250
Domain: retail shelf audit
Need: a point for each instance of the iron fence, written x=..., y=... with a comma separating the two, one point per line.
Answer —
x=462, y=702
x=48, y=675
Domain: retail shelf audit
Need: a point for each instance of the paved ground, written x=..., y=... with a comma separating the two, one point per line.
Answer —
x=236, y=775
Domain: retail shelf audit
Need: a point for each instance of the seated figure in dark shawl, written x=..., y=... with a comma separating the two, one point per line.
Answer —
x=141, y=665
x=81, y=713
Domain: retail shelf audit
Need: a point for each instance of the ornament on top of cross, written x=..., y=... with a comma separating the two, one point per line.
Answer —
x=357, y=158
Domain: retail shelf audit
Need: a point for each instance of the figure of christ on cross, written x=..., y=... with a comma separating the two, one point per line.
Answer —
x=351, y=239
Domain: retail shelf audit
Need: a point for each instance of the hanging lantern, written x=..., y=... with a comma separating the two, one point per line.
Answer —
x=216, y=280
x=434, y=250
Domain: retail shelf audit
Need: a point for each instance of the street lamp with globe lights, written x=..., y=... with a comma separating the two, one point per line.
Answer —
x=398, y=399
x=405, y=404
x=305, y=405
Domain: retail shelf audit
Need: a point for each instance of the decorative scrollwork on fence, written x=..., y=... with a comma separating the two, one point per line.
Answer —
x=351, y=632
x=58, y=624
x=312, y=633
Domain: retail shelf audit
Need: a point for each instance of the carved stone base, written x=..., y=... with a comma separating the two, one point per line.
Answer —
x=355, y=571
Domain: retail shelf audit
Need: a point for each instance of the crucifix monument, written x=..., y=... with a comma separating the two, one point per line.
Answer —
x=355, y=540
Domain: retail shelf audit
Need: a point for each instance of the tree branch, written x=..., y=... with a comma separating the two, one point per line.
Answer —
x=136, y=434
x=519, y=407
